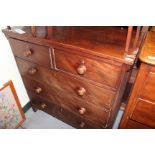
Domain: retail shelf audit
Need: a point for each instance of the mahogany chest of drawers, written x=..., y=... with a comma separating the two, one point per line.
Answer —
x=75, y=84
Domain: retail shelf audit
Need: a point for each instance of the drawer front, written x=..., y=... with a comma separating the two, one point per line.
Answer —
x=40, y=89
x=32, y=52
x=148, y=89
x=77, y=88
x=144, y=113
x=94, y=70
x=61, y=113
x=84, y=109
x=135, y=125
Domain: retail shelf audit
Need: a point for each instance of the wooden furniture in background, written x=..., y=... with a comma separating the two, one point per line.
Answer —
x=77, y=74
x=140, y=111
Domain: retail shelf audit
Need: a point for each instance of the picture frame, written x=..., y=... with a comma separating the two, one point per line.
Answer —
x=11, y=112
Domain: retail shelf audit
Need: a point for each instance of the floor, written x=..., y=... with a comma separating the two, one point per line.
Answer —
x=42, y=120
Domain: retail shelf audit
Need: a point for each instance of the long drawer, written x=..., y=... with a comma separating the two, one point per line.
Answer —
x=89, y=112
x=74, y=87
x=61, y=113
x=32, y=52
x=95, y=70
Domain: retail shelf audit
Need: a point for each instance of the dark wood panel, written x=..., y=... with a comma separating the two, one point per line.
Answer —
x=62, y=82
x=32, y=52
x=87, y=111
x=98, y=71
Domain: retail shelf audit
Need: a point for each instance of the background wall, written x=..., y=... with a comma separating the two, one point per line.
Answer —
x=9, y=70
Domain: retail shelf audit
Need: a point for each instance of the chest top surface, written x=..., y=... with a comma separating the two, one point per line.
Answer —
x=107, y=42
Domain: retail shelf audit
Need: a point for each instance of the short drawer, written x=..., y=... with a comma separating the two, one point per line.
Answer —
x=95, y=70
x=61, y=113
x=32, y=52
x=77, y=88
x=144, y=113
x=40, y=89
x=87, y=111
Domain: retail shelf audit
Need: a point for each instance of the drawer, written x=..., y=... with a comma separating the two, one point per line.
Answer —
x=148, y=89
x=31, y=52
x=135, y=125
x=77, y=88
x=98, y=71
x=144, y=113
x=87, y=111
x=61, y=113
x=40, y=89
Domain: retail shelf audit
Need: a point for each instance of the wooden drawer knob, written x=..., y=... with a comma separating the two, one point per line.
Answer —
x=81, y=68
x=28, y=53
x=32, y=71
x=82, y=124
x=81, y=91
x=43, y=106
x=38, y=90
x=82, y=111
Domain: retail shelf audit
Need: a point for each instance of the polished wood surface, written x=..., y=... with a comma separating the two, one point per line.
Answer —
x=141, y=106
x=98, y=71
x=144, y=113
x=31, y=52
x=107, y=42
x=80, y=89
x=61, y=113
x=147, y=54
x=135, y=125
x=128, y=39
x=88, y=111
x=148, y=89
x=77, y=74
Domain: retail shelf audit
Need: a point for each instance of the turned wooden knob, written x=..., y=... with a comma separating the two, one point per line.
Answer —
x=38, y=90
x=28, y=53
x=32, y=71
x=81, y=91
x=43, y=105
x=81, y=68
x=82, y=110
x=82, y=124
